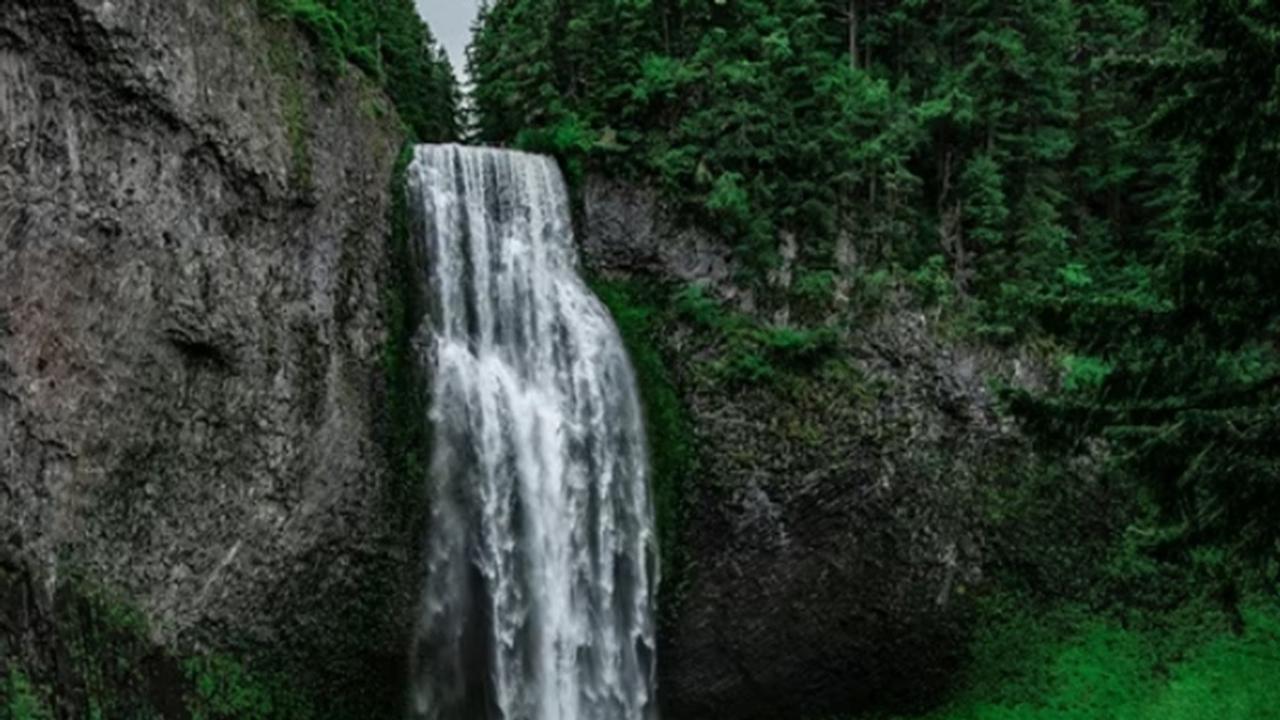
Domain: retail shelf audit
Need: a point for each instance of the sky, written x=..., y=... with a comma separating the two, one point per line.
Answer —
x=450, y=22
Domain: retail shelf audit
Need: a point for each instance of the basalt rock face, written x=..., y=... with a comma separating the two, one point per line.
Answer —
x=193, y=259
x=835, y=531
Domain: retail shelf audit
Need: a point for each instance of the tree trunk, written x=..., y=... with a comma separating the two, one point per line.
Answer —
x=853, y=34
x=951, y=227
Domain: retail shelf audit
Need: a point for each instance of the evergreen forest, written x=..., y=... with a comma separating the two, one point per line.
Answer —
x=1095, y=179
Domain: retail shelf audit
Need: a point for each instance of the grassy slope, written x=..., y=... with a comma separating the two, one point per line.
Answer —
x=1068, y=665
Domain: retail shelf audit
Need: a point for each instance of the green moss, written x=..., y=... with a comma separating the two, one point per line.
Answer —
x=814, y=287
x=407, y=440
x=222, y=687
x=295, y=117
x=639, y=312
x=115, y=671
x=107, y=642
x=798, y=347
x=20, y=699
x=286, y=64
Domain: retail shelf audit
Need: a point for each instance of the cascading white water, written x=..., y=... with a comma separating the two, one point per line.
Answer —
x=541, y=559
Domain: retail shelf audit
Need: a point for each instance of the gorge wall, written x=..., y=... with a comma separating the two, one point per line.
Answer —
x=833, y=522
x=193, y=267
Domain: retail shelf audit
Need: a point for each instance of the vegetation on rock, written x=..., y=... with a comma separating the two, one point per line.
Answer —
x=20, y=700
x=391, y=44
x=406, y=437
x=111, y=669
x=640, y=312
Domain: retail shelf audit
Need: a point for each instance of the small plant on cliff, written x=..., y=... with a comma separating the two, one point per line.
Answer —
x=224, y=688
x=799, y=347
x=20, y=700
x=752, y=353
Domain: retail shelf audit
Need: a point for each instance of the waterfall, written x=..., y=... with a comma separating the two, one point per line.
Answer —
x=541, y=561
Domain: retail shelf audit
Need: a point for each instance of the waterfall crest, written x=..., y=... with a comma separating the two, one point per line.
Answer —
x=541, y=565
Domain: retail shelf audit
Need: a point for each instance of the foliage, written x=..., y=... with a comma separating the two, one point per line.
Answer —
x=814, y=287
x=407, y=441
x=1101, y=176
x=107, y=643
x=224, y=689
x=20, y=700
x=1083, y=373
x=392, y=45
x=799, y=347
x=1069, y=664
x=822, y=118
x=1178, y=328
x=639, y=311
x=752, y=353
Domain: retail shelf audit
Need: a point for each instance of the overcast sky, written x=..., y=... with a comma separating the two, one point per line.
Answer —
x=450, y=21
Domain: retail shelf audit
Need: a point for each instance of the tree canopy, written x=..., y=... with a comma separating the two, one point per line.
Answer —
x=1099, y=173
x=389, y=42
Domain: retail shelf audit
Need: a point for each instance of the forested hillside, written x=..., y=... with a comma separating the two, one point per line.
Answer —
x=1101, y=175
x=389, y=42
x=1093, y=179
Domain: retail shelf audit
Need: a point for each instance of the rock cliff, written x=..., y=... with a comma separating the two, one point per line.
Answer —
x=193, y=262
x=833, y=525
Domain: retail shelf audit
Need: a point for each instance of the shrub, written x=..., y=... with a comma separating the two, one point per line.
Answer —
x=20, y=700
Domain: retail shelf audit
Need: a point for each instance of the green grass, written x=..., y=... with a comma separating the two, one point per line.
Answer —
x=1068, y=665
